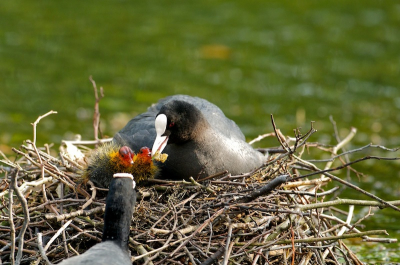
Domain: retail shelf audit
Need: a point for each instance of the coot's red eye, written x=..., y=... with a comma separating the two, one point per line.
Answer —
x=171, y=124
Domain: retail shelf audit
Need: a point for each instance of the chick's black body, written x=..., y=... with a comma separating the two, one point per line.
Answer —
x=202, y=140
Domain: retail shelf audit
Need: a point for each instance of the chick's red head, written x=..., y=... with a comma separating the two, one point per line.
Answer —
x=145, y=151
x=126, y=156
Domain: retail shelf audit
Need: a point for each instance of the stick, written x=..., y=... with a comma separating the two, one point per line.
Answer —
x=87, y=142
x=26, y=187
x=319, y=239
x=81, y=212
x=325, y=172
x=93, y=188
x=37, y=121
x=213, y=176
x=260, y=137
x=26, y=217
x=308, y=193
x=56, y=235
x=11, y=220
x=198, y=230
x=41, y=250
x=268, y=188
x=214, y=257
x=96, y=115
x=141, y=250
x=157, y=250
x=307, y=207
x=228, y=241
x=279, y=136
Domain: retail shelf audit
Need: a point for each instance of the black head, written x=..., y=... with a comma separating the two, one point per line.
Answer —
x=120, y=203
x=184, y=121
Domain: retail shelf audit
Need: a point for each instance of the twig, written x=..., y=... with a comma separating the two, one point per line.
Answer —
x=157, y=250
x=93, y=188
x=348, y=220
x=214, y=257
x=342, y=230
x=11, y=220
x=183, y=231
x=362, y=219
x=56, y=235
x=355, y=151
x=96, y=115
x=308, y=193
x=27, y=187
x=228, y=241
x=73, y=250
x=321, y=239
x=37, y=152
x=37, y=121
x=279, y=136
x=293, y=248
x=346, y=202
x=325, y=172
x=81, y=212
x=260, y=137
x=213, y=176
x=266, y=189
x=85, y=233
x=198, y=230
x=341, y=144
x=305, y=183
x=87, y=142
x=141, y=250
x=24, y=205
x=41, y=250
x=200, y=185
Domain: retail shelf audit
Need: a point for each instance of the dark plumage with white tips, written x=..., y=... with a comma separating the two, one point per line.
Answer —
x=120, y=203
x=198, y=138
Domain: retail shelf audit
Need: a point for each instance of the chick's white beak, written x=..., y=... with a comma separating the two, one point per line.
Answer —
x=161, y=141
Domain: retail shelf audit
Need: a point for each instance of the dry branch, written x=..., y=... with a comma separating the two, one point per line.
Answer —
x=218, y=219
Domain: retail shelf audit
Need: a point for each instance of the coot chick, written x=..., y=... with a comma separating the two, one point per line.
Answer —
x=198, y=138
x=107, y=160
x=143, y=167
x=113, y=249
x=110, y=159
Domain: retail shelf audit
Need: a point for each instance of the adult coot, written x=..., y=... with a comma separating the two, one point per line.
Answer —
x=120, y=203
x=200, y=140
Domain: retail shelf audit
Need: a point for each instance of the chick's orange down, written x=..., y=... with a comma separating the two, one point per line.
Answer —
x=107, y=160
x=143, y=167
x=110, y=159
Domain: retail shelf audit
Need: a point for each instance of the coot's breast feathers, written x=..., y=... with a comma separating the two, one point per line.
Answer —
x=140, y=131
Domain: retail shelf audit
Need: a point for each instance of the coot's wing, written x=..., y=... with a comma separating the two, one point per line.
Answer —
x=138, y=132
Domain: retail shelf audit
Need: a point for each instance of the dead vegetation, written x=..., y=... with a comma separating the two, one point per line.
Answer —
x=281, y=213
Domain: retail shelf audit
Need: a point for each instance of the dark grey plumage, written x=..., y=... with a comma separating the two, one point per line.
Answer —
x=214, y=143
x=120, y=203
x=105, y=253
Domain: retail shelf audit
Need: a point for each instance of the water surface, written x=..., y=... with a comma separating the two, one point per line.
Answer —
x=301, y=61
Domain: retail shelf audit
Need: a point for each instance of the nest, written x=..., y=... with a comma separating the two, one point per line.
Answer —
x=278, y=214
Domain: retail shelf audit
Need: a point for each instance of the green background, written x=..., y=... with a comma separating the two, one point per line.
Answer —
x=299, y=60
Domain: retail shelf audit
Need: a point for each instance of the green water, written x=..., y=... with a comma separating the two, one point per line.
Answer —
x=299, y=60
